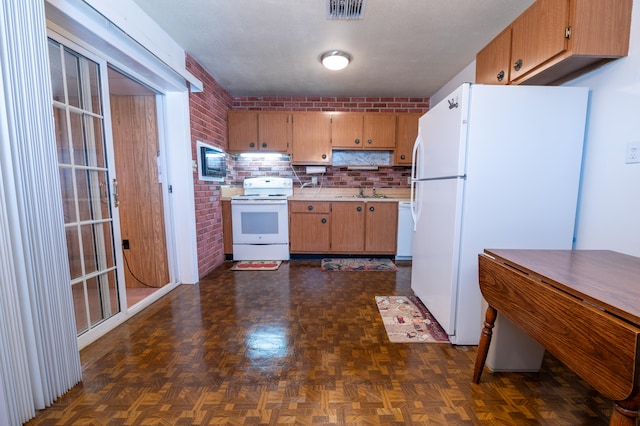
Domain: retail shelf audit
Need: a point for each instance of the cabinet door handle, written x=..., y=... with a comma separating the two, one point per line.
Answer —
x=517, y=65
x=357, y=141
x=252, y=145
x=324, y=220
x=324, y=156
x=309, y=207
x=371, y=208
x=359, y=209
x=264, y=144
x=370, y=141
x=500, y=76
x=402, y=157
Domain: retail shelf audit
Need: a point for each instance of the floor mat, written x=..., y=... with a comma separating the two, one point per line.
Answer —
x=358, y=264
x=407, y=320
x=257, y=265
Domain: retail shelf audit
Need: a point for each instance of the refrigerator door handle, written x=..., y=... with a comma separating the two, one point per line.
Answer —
x=440, y=178
x=412, y=199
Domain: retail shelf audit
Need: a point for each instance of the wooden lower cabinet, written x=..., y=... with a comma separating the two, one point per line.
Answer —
x=227, y=230
x=345, y=227
x=309, y=227
x=381, y=227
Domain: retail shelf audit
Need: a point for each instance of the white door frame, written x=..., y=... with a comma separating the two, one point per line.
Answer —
x=174, y=139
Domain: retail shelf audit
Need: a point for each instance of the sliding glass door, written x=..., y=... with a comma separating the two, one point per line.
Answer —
x=88, y=186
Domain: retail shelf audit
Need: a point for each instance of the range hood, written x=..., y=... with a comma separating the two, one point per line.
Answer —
x=362, y=167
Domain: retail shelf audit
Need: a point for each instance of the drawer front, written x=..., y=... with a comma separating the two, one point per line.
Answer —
x=309, y=206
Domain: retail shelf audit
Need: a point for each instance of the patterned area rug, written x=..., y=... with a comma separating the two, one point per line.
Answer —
x=407, y=320
x=257, y=265
x=358, y=264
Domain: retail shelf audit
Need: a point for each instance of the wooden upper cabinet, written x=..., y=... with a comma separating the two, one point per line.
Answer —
x=556, y=40
x=243, y=131
x=311, y=142
x=274, y=131
x=346, y=130
x=266, y=131
x=407, y=132
x=538, y=35
x=379, y=130
x=369, y=130
x=493, y=63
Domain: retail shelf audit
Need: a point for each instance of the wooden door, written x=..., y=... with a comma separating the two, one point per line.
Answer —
x=407, y=132
x=538, y=35
x=379, y=130
x=347, y=227
x=274, y=131
x=135, y=142
x=346, y=130
x=493, y=63
x=381, y=227
x=243, y=131
x=311, y=142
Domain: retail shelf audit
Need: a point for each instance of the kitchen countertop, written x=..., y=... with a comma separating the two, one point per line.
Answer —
x=333, y=194
x=349, y=194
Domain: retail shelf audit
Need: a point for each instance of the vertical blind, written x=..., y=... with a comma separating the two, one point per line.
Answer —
x=39, y=358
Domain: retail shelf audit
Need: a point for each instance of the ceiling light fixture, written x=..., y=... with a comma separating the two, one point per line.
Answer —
x=335, y=59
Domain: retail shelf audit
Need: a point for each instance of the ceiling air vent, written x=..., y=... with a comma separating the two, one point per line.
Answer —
x=346, y=9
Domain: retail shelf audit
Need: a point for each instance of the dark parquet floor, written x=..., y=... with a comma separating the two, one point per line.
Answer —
x=305, y=347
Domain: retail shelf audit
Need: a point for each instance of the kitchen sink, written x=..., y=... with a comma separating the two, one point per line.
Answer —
x=362, y=197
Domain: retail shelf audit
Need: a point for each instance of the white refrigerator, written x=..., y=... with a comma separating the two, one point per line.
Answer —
x=494, y=167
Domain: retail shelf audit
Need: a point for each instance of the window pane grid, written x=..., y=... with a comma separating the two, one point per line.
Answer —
x=85, y=190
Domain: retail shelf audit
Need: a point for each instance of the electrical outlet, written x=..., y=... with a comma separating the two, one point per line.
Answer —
x=314, y=180
x=125, y=244
x=633, y=153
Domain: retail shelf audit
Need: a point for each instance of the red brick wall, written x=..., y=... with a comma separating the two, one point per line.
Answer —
x=329, y=103
x=208, y=113
x=335, y=176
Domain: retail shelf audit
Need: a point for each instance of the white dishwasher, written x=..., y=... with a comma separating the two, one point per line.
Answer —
x=404, y=249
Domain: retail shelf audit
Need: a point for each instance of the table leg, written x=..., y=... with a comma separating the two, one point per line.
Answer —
x=625, y=413
x=485, y=340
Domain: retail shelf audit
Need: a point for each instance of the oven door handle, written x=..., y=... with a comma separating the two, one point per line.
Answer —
x=258, y=203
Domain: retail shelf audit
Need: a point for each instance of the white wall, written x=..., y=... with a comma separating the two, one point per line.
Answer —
x=467, y=75
x=609, y=204
x=609, y=207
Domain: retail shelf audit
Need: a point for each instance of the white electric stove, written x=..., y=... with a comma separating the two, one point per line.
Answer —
x=260, y=219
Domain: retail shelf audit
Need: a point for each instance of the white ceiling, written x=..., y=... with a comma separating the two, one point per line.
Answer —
x=402, y=48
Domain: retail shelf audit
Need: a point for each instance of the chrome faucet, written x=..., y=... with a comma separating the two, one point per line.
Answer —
x=374, y=192
x=361, y=193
